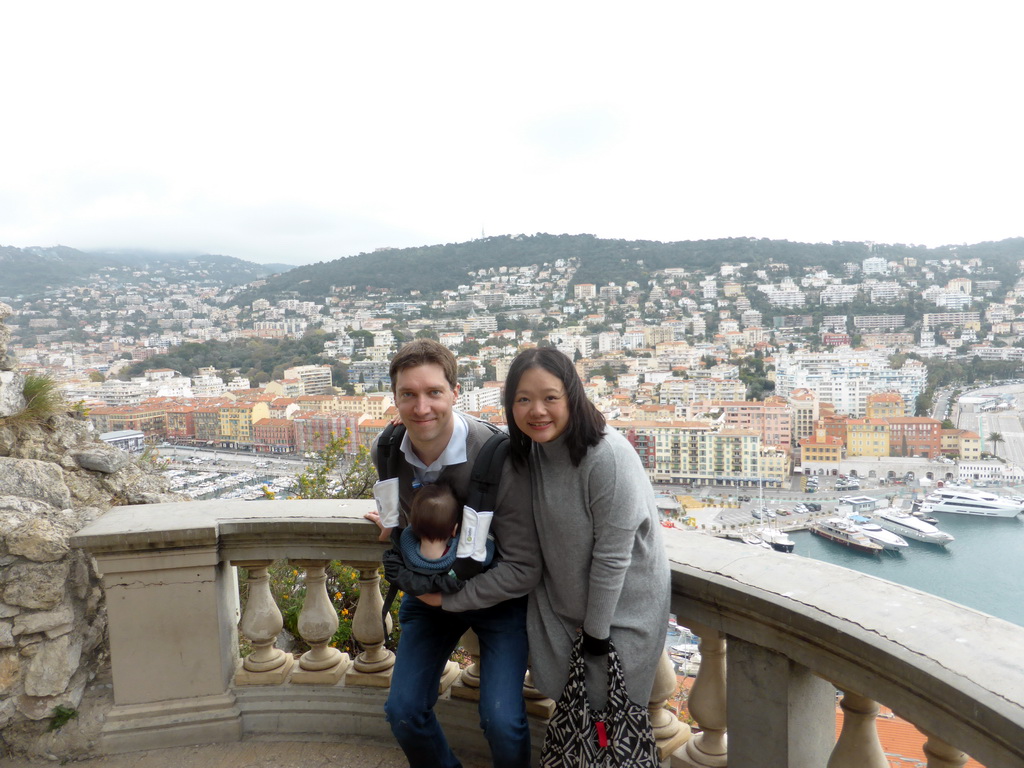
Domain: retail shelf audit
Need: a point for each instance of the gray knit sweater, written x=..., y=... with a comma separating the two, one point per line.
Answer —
x=604, y=565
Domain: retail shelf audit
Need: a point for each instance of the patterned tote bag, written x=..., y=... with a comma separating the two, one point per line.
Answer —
x=616, y=737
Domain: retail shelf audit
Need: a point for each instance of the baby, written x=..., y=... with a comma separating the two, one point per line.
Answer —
x=429, y=544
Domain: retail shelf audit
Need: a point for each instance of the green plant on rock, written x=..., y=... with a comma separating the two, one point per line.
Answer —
x=61, y=716
x=43, y=400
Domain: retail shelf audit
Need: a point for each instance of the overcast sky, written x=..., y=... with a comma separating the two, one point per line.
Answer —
x=302, y=132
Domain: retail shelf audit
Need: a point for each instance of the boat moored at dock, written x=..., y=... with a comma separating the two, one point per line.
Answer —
x=842, y=531
x=959, y=501
x=910, y=527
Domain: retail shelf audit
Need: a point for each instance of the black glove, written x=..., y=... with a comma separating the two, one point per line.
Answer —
x=593, y=646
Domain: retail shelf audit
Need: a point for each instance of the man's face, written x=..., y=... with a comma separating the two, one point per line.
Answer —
x=425, y=400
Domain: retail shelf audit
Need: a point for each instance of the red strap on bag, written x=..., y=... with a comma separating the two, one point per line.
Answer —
x=602, y=734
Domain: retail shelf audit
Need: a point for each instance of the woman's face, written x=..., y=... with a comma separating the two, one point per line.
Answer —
x=540, y=408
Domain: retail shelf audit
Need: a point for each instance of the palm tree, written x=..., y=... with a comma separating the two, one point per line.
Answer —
x=995, y=438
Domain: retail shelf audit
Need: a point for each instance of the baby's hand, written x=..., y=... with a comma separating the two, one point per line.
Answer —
x=374, y=516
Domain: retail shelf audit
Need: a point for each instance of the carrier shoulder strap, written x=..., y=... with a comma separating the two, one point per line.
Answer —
x=486, y=474
x=389, y=450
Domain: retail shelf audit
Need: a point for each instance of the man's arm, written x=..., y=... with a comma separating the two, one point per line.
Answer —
x=515, y=535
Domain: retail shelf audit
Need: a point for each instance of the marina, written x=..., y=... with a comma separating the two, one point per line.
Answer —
x=983, y=569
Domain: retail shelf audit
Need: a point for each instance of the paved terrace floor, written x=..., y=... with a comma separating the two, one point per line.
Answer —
x=81, y=734
x=251, y=754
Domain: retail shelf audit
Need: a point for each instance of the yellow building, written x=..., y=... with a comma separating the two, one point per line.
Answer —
x=697, y=452
x=962, y=443
x=884, y=405
x=237, y=419
x=867, y=437
x=821, y=453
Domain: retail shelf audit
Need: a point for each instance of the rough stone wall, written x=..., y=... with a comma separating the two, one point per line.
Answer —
x=54, y=478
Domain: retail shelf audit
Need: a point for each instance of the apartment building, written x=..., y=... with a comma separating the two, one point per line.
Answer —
x=149, y=417
x=962, y=443
x=821, y=453
x=804, y=406
x=316, y=379
x=274, y=436
x=237, y=420
x=772, y=419
x=879, y=322
x=867, y=437
x=683, y=391
x=883, y=405
x=846, y=377
x=315, y=429
x=915, y=436
x=698, y=452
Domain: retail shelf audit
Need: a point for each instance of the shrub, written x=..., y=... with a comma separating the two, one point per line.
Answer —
x=43, y=400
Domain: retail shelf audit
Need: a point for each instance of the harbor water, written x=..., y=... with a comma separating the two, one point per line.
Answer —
x=983, y=569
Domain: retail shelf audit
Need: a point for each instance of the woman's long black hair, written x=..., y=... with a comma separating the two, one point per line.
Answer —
x=586, y=424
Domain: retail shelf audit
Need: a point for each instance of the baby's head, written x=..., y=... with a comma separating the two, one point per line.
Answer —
x=435, y=513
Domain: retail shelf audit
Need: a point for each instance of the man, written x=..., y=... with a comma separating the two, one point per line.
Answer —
x=441, y=442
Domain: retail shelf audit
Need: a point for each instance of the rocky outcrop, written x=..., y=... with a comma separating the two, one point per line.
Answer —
x=12, y=400
x=55, y=477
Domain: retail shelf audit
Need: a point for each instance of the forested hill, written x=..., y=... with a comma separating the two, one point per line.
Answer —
x=438, y=267
x=26, y=271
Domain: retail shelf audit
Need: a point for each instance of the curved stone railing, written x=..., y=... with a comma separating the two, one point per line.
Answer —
x=781, y=634
x=795, y=630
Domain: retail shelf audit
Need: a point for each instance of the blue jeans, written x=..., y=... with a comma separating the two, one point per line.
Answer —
x=429, y=635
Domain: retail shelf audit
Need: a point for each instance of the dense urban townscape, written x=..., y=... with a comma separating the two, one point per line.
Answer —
x=730, y=372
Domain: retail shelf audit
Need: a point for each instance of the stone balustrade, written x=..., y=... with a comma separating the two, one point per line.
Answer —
x=779, y=636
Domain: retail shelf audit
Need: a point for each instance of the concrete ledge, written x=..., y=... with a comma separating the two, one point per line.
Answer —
x=948, y=669
x=212, y=719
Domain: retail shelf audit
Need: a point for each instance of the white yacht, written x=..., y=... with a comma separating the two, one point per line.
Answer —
x=777, y=540
x=842, y=531
x=959, y=501
x=910, y=527
x=888, y=539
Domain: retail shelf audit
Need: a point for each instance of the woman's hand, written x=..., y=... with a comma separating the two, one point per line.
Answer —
x=434, y=599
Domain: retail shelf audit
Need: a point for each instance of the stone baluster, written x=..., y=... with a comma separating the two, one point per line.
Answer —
x=261, y=624
x=317, y=624
x=374, y=663
x=942, y=755
x=858, y=745
x=471, y=674
x=465, y=683
x=707, y=702
x=537, y=704
x=670, y=732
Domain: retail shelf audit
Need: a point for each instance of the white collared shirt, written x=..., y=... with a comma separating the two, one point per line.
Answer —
x=454, y=452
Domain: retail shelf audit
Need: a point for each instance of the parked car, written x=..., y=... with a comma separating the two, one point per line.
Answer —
x=814, y=507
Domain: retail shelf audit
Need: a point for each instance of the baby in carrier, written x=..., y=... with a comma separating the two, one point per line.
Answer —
x=429, y=544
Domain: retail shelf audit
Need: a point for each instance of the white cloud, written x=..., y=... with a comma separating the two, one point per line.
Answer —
x=309, y=132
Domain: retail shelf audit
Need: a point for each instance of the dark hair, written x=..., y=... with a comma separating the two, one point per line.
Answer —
x=425, y=352
x=586, y=424
x=435, y=512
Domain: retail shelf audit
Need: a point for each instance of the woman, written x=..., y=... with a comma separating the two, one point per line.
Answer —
x=604, y=567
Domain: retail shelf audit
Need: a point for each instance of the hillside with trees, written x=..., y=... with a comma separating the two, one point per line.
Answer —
x=259, y=360
x=29, y=271
x=401, y=271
